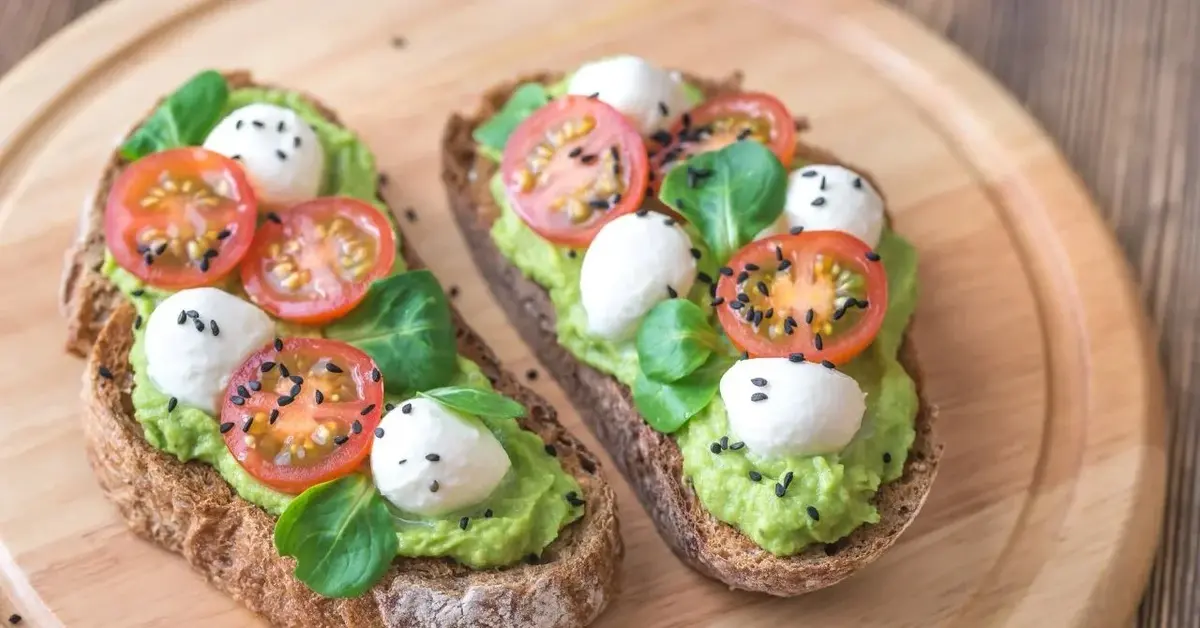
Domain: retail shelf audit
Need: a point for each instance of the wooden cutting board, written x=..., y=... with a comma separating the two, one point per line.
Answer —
x=1033, y=343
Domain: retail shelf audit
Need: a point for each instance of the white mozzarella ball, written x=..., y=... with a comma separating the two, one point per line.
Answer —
x=833, y=198
x=279, y=151
x=780, y=408
x=429, y=460
x=633, y=263
x=189, y=361
x=636, y=88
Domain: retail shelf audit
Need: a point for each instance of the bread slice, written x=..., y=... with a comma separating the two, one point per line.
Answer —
x=649, y=460
x=189, y=509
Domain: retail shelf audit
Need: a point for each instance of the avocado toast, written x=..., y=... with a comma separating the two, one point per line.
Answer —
x=166, y=465
x=651, y=459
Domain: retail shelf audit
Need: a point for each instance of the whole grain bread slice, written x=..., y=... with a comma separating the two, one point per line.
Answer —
x=189, y=509
x=650, y=461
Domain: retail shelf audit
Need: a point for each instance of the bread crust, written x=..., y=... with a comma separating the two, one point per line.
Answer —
x=189, y=509
x=650, y=461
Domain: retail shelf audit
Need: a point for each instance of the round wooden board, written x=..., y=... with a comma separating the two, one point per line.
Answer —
x=1032, y=340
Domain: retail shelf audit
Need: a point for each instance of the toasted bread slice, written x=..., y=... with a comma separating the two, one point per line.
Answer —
x=649, y=460
x=189, y=509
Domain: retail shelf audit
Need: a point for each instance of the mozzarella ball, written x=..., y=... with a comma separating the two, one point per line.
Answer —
x=430, y=460
x=279, y=151
x=833, y=198
x=634, y=87
x=189, y=360
x=633, y=263
x=783, y=408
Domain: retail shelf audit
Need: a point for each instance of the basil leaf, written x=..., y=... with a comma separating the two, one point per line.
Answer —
x=674, y=339
x=404, y=325
x=183, y=119
x=667, y=406
x=743, y=194
x=341, y=535
x=476, y=402
x=526, y=99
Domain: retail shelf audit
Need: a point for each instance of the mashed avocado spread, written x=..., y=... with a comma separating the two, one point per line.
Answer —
x=528, y=508
x=840, y=487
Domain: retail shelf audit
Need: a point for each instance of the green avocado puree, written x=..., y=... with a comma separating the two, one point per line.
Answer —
x=840, y=487
x=528, y=508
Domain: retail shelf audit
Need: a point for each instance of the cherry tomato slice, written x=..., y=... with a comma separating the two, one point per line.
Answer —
x=572, y=166
x=716, y=123
x=316, y=263
x=180, y=218
x=302, y=414
x=821, y=293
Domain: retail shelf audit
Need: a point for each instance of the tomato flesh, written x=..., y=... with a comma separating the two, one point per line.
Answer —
x=314, y=262
x=304, y=414
x=572, y=166
x=822, y=294
x=180, y=218
x=721, y=121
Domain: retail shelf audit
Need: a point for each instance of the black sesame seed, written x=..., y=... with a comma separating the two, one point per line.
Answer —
x=819, y=201
x=822, y=184
x=375, y=375
x=284, y=400
x=662, y=137
x=758, y=381
x=751, y=267
x=333, y=368
x=858, y=183
x=695, y=253
x=406, y=408
x=296, y=144
x=745, y=355
x=813, y=512
x=550, y=449
x=587, y=159
x=171, y=403
x=266, y=366
x=744, y=133
x=887, y=458
x=216, y=331
x=796, y=230
x=432, y=457
x=242, y=391
x=574, y=499
x=873, y=256
x=296, y=379
x=341, y=439
x=278, y=344
x=703, y=277
x=137, y=292
x=717, y=301
x=258, y=124
x=670, y=222
x=487, y=514
x=575, y=152
x=148, y=258
x=599, y=203
x=274, y=416
x=796, y=358
x=755, y=476
x=239, y=124
x=808, y=174
x=283, y=370
x=367, y=410
x=453, y=292
x=784, y=265
x=770, y=313
x=641, y=213
x=225, y=427
x=280, y=127
x=160, y=249
x=379, y=432
x=464, y=522
x=662, y=108
x=808, y=316
x=743, y=276
x=210, y=253
x=724, y=442
x=737, y=305
x=594, y=95
x=787, y=479
x=762, y=288
x=780, y=489
x=254, y=385
x=839, y=313
x=736, y=446
x=14, y=619
x=295, y=390
x=749, y=315
x=356, y=426
x=758, y=317
x=247, y=423
x=827, y=364
x=388, y=407
x=715, y=448
x=410, y=214
x=204, y=264
x=572, y=254
x=104, y=372
x=818, y=343
x=319, y=397
x=281, y=155
x=778, y=253
x=238, y=401
x=671, y=292
x=725, y=270
x=273, y=217
x=402, y=461
x=236, y=158
x=758, y=397
x=182, y=317
x=686, y=119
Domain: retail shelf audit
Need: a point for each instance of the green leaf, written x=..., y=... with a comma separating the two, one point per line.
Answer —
x=476, y=402
x=526, y=99
x=743, y=195
x=404, y=325
x=183, y=119
x=341, y=535
x=667, y=406
x=674, y=339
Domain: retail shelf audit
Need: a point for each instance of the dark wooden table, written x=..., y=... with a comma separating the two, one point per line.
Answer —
x=1117, y=84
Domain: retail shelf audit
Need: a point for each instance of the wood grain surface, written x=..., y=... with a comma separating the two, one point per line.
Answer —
x=1116, y=84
